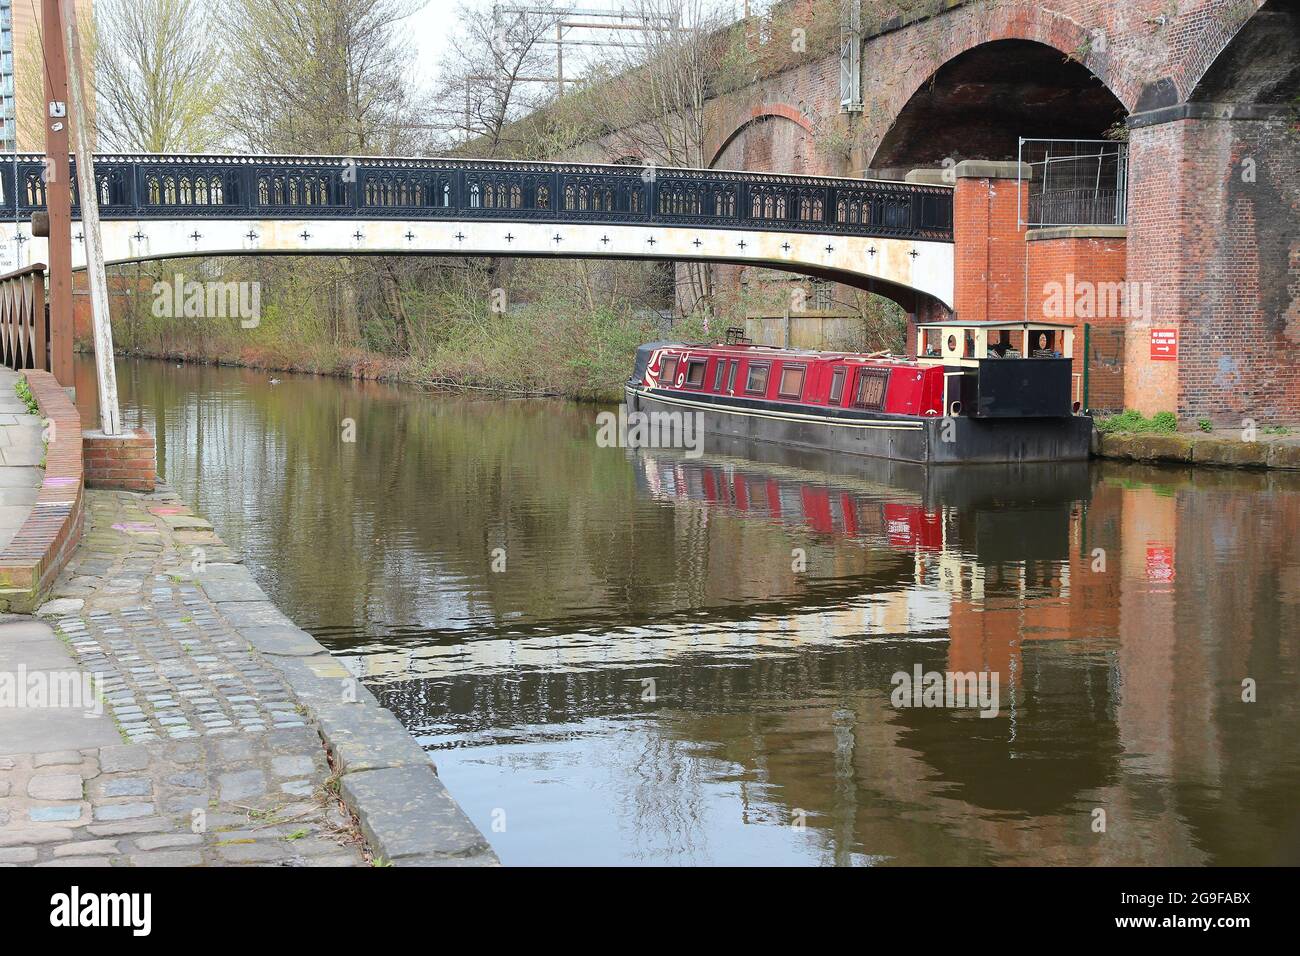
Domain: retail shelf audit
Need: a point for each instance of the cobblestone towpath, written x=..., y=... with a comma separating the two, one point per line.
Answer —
x=201, y=743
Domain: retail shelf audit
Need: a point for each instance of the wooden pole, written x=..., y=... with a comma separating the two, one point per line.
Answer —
x=58, y=193
x=110, y=415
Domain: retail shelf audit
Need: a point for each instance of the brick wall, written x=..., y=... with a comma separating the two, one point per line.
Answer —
x=125, y=462
x=989, y=284
x=1086, y=276
x=1215, y=235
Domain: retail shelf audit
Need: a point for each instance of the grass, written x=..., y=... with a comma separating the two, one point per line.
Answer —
x=25, y=393
x=1131, y=420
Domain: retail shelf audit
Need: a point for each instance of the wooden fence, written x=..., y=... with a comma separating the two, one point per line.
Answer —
x=24, y=319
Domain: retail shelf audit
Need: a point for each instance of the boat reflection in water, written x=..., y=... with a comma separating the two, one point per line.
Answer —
x=745, y=678
x=958, y=537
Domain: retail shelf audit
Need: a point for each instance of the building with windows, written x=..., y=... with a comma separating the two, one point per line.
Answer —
x=8, y=138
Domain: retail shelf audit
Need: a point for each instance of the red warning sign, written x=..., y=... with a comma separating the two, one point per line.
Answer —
x=1164, y=345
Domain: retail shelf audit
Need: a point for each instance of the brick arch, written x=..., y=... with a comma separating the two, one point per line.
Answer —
x=963, y=29
x=1264, y=39
x=758, y=114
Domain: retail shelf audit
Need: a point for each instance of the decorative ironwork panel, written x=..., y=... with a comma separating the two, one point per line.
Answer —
x=181, y=186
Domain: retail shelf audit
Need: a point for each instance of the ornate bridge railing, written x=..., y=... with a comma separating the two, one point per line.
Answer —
x=24, y=319
x=327, y=187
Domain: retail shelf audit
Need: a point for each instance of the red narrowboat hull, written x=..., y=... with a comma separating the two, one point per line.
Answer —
x=847, y=404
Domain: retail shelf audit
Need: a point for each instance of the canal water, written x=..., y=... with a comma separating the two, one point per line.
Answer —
x=641, y=657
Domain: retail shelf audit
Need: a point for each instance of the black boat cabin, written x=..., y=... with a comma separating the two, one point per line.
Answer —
x=1003, y=369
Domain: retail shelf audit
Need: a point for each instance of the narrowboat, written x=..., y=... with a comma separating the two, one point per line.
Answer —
x=974, y=392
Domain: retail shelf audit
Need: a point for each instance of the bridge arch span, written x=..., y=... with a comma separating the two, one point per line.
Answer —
x=763, y=113
x=162, y=206
x=978, y=104
x=1257, y=63
x=906, y=270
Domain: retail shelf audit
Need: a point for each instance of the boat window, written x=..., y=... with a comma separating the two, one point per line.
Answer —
x=718, y=372
x=791, y=385
x=871, y=388
x=695, y=373
x=731, y=374
x=837, y=385
x=667, y=370
x=756, y=382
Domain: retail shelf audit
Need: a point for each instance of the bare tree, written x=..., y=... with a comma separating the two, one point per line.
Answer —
x=328, y=77
x=662, y=85
x=494, y=73
x=320, y=76
x=156, y=76
x=659, y=89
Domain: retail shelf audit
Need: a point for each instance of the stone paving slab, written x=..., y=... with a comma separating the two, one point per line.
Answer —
x=209, y=801
x=30, y=653
x=222, y=705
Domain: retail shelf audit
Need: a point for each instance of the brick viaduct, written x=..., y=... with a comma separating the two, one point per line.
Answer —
x=1208, y=94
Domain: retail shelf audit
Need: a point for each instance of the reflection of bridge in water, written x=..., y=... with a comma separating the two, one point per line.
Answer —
x=920, y=544
x=893, y=238
x=904, y=567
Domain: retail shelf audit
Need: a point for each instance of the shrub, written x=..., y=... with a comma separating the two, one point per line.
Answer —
x=1131, y=420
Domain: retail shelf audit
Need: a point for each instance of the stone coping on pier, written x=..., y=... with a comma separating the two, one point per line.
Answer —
x=214, y=703
x=1223, y=448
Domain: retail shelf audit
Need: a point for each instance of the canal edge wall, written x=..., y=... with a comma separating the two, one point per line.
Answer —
x=405, y=812
x=31, y=562
x=1206, y=450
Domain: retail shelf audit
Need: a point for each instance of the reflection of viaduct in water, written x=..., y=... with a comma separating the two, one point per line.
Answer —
x=960, y=556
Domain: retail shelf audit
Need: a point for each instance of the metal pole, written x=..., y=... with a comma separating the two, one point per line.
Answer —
x=1087, y=360
x=110, y=416
x=559, y=58
x=58, y=193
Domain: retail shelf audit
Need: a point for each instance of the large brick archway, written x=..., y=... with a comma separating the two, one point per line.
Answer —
x=1217, y=254
x=730, y=151
x=978, y=105
x=919, y=51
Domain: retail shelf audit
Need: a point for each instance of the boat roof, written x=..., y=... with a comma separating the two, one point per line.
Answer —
x=777, y=350
x=1024, y=324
